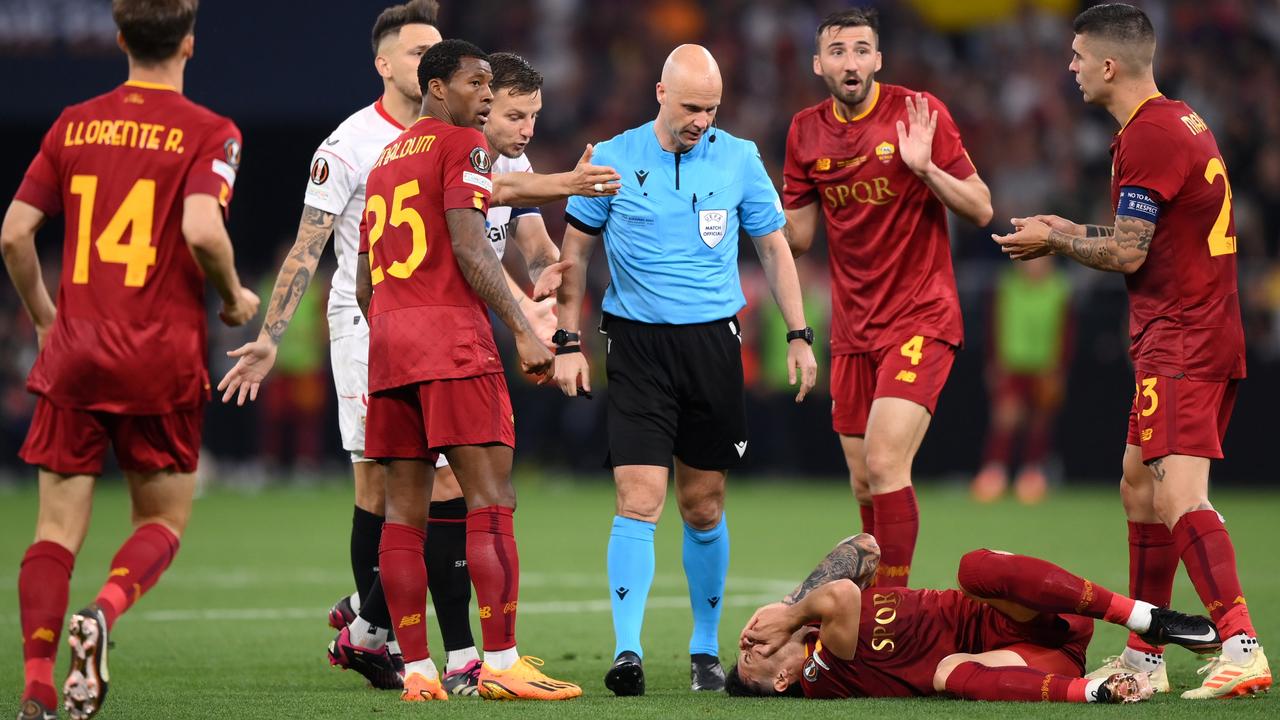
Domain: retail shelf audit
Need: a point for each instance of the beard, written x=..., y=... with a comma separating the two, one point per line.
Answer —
x=854, y=97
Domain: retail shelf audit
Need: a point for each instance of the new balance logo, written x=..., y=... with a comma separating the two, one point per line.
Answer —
x=905, y=376
x=713, y=601
x=408, y=620
x=622, y=592
x=44, y=634
x=641, y=176
x=119, y=572
x=741, y=447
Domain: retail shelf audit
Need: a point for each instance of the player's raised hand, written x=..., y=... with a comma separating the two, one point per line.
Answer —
x=1029, y=239
x=242, y=310
x=590, y=180
x=572, y=372
x=535, y=358
x=800, y=360
x=541, y=316
x=254, y=360
x=915, y=139
x=549, y=280
x=771, y=628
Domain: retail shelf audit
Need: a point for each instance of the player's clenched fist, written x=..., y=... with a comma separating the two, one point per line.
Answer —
x=535, y=358
x=242, y=310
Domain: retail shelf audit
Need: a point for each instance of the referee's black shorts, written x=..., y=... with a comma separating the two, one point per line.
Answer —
x=675, y=390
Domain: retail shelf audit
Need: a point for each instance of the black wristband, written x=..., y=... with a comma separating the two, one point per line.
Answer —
x=805, y=334
x=563, y=337
x=568, y=349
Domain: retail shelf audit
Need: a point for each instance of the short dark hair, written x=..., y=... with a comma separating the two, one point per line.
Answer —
x=514, y=73
x=390, y=21
x=1116, y=22
x=443, y=60
x=153, y=29
x=852, y=17
x=735, y=686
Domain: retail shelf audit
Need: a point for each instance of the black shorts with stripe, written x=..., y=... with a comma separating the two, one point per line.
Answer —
x=675, y=390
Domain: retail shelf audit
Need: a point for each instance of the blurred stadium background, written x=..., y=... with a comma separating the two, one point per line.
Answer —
x=288, y=73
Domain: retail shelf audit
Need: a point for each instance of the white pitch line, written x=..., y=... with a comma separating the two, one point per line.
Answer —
x=550, y=607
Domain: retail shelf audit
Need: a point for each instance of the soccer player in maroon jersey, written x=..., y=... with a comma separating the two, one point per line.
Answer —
x=1174, y=239
x=1017, y=629
x=883, y=169
x=435, y=380
x=144, y=176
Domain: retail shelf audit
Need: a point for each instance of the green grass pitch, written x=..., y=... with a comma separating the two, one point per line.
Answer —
x=236, y=628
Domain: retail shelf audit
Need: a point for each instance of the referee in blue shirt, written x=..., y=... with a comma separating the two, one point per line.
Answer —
x=674, y=346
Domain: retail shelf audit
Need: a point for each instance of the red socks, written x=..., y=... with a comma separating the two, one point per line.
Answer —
x=1039, y=585
x=495, y=572
x=43, y=584
x=1153, y=563
x=975, y=681
x=135, y=569
x=868, y=514
x=404, y=585
x=897, y=522
x=1206, y=550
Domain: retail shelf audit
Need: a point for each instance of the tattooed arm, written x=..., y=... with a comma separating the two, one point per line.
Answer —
x=1122, y=248
x=1119, y=248
x=255, y=359
x=854, y=558
x=483, y=272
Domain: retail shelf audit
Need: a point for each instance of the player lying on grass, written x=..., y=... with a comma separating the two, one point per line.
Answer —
x=1014, y=631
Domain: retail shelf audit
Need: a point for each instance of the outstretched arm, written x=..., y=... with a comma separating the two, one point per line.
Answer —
x=522, y=189
x=1120, y=248
x=855, y=558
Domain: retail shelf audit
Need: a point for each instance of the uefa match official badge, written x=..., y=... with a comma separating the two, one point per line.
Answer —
x=885, y=151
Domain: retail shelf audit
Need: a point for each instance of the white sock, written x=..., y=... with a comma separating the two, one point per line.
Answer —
x=367, y=636
x=393, y=647
x=1240, y=649
x=502, y=659
x=1144, y=661
x=1091, y=690
x=457, y=659
x=424, y=667
x=355, y=602
x=1140, y=619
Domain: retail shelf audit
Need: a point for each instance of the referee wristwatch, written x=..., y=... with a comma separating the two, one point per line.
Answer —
x=562, y=338
x=805, y=334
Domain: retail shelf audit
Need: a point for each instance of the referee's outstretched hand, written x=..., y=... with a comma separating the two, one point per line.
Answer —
x=800, y=357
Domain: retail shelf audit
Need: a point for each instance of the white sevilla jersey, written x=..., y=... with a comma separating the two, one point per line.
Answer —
x=339, y=170
x=498, y=221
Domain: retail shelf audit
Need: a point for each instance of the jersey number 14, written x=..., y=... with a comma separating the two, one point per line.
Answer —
x=135, y=215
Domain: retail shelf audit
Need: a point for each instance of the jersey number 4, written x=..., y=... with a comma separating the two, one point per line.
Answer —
x=376, y=217
x=1220, y=243
x=134, y=214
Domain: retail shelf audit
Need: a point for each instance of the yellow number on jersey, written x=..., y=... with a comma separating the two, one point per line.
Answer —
x=376, y=206
x=1220, y=243
x=914, y=349
x=134, y=214
x=1148, y=391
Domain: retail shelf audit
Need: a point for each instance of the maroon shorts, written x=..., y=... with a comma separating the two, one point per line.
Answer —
x=70, y=441
x=1052, y=643
x=1037, y=391
x=915, y=370
x=415, y=422
x=1177, y=416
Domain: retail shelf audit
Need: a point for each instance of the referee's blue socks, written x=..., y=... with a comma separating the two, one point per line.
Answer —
x=630, y=563
x=706, y=562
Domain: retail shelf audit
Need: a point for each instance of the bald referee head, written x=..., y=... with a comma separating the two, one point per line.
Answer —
x=689, y=95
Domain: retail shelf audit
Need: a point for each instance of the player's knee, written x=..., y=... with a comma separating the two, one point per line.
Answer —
x=702, y=514
x=973, y=568
x=945, y=667
x=887, y=470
